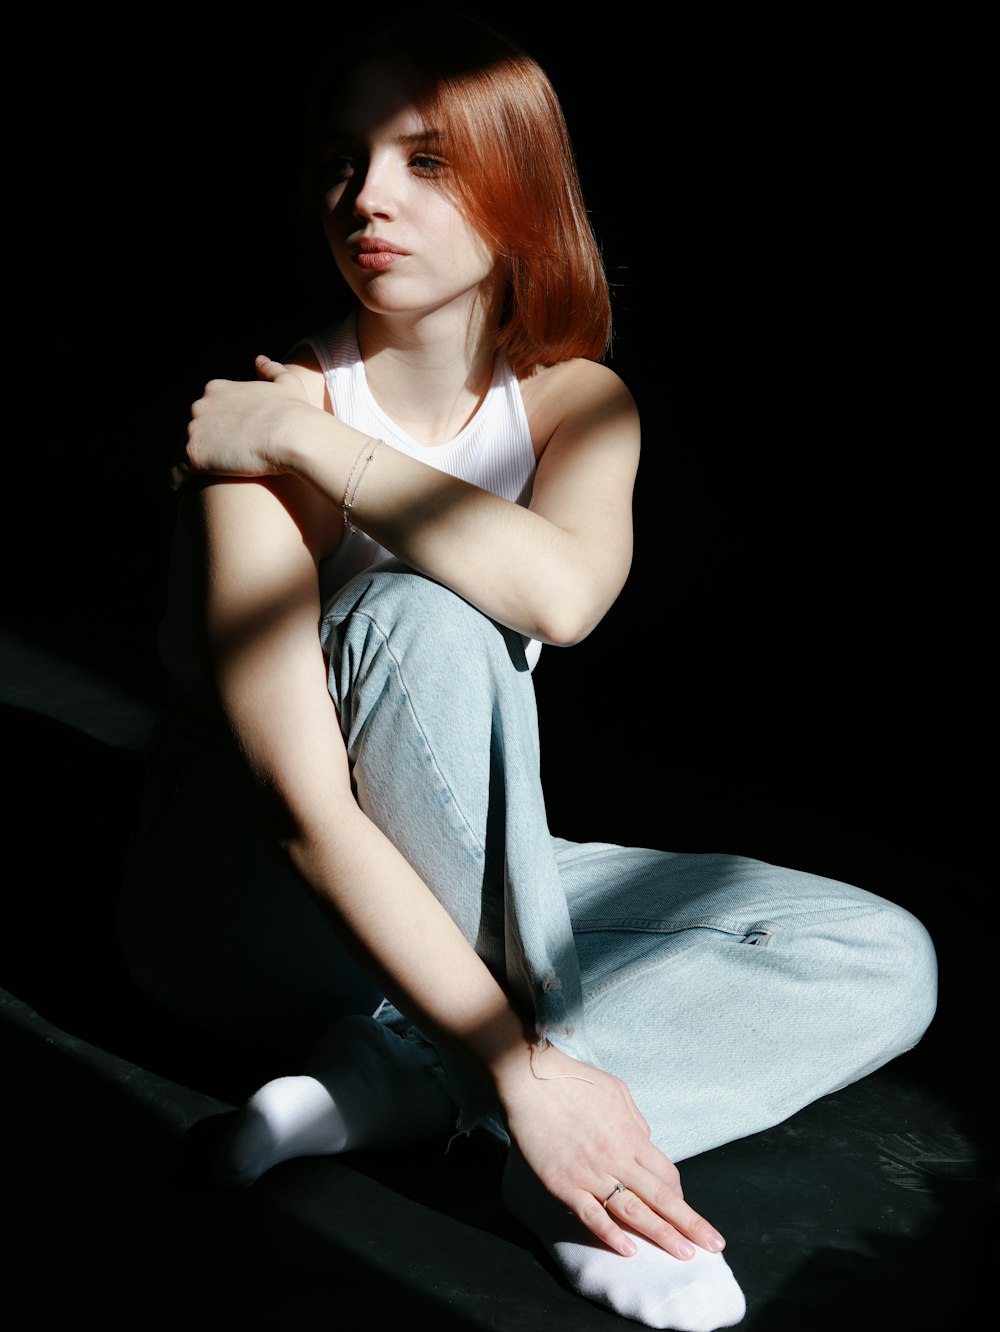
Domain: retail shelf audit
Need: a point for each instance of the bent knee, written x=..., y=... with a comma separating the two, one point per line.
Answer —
x=908, y=974
x=413, y=612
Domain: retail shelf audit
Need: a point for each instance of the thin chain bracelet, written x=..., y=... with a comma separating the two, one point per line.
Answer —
x=346, y=504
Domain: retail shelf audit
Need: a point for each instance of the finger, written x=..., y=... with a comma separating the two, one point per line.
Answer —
x=630, y=1210
x=660, y=1170
x=268, y=369
x=599, y=1221
x=664, y=1217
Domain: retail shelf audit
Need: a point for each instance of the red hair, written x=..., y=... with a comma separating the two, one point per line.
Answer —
x=513, y=170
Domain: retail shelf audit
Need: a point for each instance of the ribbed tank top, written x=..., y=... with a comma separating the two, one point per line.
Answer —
x=492, y=451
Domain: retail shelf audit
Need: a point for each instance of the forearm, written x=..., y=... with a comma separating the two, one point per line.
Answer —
x=550, y=571
x=516, y=566
x=261, y=619
x=385, y=914
x=406, y=940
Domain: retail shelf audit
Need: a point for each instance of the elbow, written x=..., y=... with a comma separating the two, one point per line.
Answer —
x=564, y=630
x=574, y=610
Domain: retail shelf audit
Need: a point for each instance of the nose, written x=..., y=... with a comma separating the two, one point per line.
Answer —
x=377, y=195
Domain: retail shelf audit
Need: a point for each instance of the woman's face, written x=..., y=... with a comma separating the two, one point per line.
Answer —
x=398, y=236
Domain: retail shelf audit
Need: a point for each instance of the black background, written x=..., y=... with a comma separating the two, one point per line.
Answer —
x=798, y=666
x=792, y=211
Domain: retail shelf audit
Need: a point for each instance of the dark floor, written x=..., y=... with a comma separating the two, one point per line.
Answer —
x=869, y=1210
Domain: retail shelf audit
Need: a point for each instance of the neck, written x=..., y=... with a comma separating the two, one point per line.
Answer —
x=428, y=372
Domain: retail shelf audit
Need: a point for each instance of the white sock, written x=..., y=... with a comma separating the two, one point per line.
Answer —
x=698, y=1294
x=364, y=1086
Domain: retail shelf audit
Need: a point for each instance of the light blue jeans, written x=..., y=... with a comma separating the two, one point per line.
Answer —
x=727, y=993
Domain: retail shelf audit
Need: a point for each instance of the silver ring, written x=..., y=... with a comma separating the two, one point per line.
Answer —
x=619, y=1188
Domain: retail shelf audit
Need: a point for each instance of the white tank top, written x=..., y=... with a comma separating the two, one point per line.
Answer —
x=492, y=451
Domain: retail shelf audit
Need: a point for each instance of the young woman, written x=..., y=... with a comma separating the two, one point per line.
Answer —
x=344, y=852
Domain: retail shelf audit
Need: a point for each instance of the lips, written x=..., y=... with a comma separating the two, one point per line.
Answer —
x=372, y=252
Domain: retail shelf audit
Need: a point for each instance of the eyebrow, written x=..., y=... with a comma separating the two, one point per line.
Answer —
x=421, y=136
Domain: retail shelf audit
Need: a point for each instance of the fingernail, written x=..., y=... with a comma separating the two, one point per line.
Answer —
x=715, y=1242
x=628, y=1248
x=685, y=1250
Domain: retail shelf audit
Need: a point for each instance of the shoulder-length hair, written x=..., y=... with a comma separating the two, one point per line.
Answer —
x=512, y=169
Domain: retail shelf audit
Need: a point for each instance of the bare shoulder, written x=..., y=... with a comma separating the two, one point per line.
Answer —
x=573, y=394
x=302, y=361
x=569, y=379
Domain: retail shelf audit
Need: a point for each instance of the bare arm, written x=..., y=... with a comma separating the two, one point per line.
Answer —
x=262, y=611
x=550, y=571
x=262, y=539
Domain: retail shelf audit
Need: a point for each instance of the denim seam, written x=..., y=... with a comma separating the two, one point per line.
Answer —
x=663, y=925
x=727, y=924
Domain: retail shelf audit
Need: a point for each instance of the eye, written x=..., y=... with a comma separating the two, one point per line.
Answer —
x=337, y=167
x=428, y=164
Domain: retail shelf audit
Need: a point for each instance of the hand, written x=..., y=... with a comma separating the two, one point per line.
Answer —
x=244, y=427
x=581, y=1133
